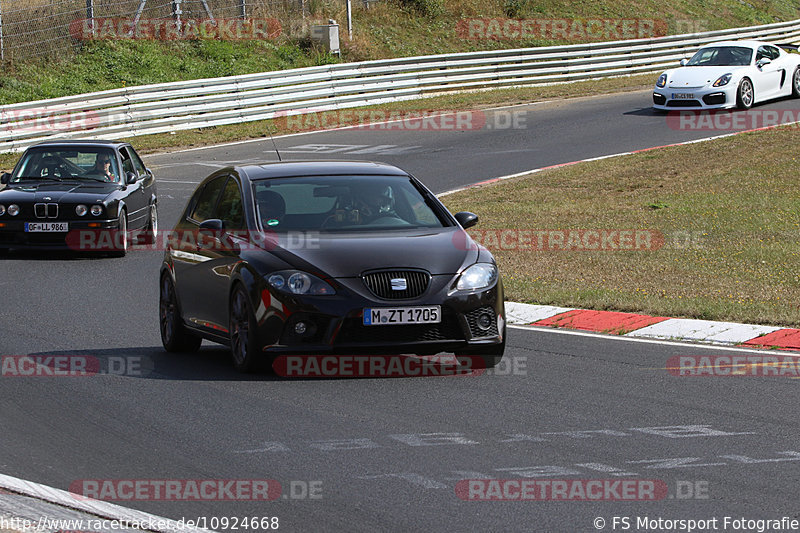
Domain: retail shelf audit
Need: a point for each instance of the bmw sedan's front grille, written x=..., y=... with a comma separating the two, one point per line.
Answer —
x=45, y=210
x=397, y=284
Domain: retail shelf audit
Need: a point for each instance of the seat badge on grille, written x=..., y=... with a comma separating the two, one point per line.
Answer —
x=399, y=284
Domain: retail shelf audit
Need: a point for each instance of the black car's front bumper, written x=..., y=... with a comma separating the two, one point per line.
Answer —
x=80, y=237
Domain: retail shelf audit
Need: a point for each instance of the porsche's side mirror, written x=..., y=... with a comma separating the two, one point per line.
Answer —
x=466, y=219
x=683, y=62
x=763, y=61
x=5, y=177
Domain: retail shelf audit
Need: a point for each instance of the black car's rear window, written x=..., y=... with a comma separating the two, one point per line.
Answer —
x=344, y=203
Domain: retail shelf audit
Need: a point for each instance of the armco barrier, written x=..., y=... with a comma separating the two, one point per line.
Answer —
x=166, y=107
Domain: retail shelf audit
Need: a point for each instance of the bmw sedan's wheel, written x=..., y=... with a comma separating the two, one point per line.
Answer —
x=796, y=83
x=151, y=233
x=244, y=347
x=745, y=94
x=120, y=240
x=174, y=335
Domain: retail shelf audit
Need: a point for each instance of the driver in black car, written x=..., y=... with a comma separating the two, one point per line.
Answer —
x=376, y=202
x=102, y=166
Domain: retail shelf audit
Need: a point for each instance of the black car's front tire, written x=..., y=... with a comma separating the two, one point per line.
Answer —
x=149, y=236
x=174, y=335
x=244, y=344
x=120, y=240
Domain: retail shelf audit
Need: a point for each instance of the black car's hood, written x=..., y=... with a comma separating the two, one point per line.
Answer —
x=439, y=251
x=33, y=191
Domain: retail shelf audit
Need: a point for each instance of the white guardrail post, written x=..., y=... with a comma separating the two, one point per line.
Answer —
x=166, y=107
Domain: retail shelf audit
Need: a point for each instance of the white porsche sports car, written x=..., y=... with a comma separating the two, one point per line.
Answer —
x=729, y=74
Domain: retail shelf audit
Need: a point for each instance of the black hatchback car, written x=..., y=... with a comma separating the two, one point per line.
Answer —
x=77, y=194
x=327, y=257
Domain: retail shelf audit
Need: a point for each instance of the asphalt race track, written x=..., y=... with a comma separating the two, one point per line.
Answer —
x=386, y=454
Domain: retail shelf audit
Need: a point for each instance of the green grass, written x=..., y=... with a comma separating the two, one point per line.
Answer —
x=390, y=28
x=730, y=218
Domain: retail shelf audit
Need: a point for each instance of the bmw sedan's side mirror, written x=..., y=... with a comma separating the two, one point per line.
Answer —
x=683, y=62
x=466, y=219
x=148, y=172
x=763, y=61
x=5, y=177
x=130, y=178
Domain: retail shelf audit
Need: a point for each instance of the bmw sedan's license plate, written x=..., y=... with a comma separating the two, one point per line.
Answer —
x=682, y=96
x=384, y=316
x=35, y=227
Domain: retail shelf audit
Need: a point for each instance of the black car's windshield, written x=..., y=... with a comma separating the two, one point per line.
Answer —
x=343, y=203
x=721, y=56
x=59, y=164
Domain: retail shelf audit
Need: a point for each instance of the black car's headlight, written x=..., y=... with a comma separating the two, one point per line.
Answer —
x=97, y=210
x=297, y=282
x=13, y=210
x=81, y=210
x=2, y=210
x=723, y=80
x=662, y=80
x=478, y=276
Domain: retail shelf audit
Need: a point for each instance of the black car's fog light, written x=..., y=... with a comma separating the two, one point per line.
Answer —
x=485, y=321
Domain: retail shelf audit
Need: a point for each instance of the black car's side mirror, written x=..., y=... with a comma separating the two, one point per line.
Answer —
x=466, y=219
x=130, y=178
x=5, y=177
x=212, y=224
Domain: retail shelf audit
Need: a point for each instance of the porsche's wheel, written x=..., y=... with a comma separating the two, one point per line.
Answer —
x=120, y=240
x=745, y=94
x=244, y=347
x=174, y=335
x=796, y=83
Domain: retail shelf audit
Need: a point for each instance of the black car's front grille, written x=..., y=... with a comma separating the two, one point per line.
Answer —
x=397, y=284
x=354, y=331
x=45, y=210
x=475, y=324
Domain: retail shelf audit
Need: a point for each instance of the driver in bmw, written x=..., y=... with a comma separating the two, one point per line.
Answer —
x=102, y=166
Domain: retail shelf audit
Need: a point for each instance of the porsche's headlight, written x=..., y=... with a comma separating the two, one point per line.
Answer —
x=81, y=210
x=297, y=282
x=662, y=80
x=478, y=276
x=13, y=210
x=97, y=210
x=723, y=80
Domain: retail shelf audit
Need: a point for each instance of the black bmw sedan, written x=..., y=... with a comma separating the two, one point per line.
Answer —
x=327, y=257
x=84, y=195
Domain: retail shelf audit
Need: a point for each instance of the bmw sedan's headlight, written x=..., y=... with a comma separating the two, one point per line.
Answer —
x=97, y=210
x=478, y=276
x=2, y=210
x=13, y=210
x=723, y=80
x=81, y=210
x=297, y=282
x=662, y=80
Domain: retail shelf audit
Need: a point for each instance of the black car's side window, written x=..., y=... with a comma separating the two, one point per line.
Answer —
x=230, y=206
x=207, y=201
x=127, y=164
x=136, y=160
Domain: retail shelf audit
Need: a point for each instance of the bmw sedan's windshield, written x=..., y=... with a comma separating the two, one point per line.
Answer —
x=59, y=164
x=721, y=56
x=344, y=203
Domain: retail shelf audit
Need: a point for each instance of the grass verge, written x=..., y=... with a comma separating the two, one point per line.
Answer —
x=728, y=211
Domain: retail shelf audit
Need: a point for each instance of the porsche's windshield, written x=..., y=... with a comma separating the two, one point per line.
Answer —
x=59, y=164
x=344, y=203
x=721, y=56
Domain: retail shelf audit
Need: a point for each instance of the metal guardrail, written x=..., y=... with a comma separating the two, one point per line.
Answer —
x=167, y=107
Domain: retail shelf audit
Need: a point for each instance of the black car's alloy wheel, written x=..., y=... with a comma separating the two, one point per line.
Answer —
x=120, y=240
x=174, y=336
x=243, y=331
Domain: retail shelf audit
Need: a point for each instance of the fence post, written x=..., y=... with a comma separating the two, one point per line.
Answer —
x=350, y=20
x=2, y=48
x=242, y=9
x=176, y=12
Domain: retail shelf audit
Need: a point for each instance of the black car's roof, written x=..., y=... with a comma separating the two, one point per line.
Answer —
x=81, y=142
x=318, y=168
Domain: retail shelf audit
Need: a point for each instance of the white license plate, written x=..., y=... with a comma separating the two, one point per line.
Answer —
x=36, y=227
x=385, y=316
x=682, y=96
